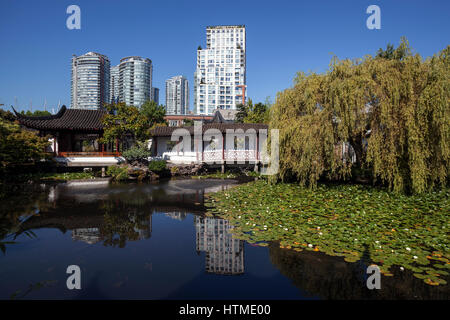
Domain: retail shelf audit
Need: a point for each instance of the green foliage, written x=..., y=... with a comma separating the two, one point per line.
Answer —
x=7, y=115
x=344, y=220
x=241, y=114
x=19, y=146
x=122, y=120
x=138, y=152
x=118, y=173
x=157, y=166
x=188, y=122
x=394, y=112
x=402, y=51
x=259, y=113
x=153, y=113
x=249, y=113
x=65, y=176
x=36, y=113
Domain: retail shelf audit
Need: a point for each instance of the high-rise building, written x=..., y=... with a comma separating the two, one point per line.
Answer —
x=135, y=80
x=114, y=85
x=177, y=95
x=220, y=76
x=90, y=81
x=155, y=95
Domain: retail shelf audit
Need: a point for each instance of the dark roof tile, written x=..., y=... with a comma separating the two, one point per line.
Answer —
x=65, y=119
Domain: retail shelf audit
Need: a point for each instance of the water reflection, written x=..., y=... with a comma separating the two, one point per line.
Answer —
x=133, y=238
x=331, y=277
x=224, y=254
x=117, y=214
x=180, y=216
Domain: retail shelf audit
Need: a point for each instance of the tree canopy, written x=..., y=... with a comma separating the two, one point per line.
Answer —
x=154, y=113
x=122, y=120
x=19, y=146
x=392, y=110
x=36, y=113
x=249, y=113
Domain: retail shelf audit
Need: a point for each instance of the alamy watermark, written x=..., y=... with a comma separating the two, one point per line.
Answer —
x=74, y=280
x=374, y=280
x=74, y=20
x=374, y=20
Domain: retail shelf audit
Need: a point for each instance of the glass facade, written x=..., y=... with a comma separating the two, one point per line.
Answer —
x=114, y=85
x=177, y=95
x=155, y=95
x=135, y=80
x=221, y=70
x=90, y=85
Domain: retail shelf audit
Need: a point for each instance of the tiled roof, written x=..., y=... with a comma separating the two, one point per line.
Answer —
x=65, y=119
x=167, y=131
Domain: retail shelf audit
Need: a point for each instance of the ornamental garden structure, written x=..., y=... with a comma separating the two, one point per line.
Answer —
x=74, y=135
x=214, y=143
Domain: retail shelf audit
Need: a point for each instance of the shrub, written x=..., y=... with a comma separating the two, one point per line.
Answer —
x=138, y=152
x=157, y=166
x=118, y=173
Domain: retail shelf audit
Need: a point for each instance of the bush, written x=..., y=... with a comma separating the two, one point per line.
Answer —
x=118, y=173
x=138, y=152
x=157, y=166
x=19, y=147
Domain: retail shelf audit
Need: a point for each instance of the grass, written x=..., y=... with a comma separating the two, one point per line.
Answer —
x=346, y=220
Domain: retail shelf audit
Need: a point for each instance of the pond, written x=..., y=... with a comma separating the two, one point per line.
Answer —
x=154, y=241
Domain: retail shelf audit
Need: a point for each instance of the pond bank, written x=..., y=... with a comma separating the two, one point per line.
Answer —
x=395, y=231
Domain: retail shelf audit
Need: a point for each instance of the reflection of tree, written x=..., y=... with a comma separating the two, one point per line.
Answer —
x=31, y=288
x=125, y=220
x=117, y=230
x=330, y=277
x=14, y=210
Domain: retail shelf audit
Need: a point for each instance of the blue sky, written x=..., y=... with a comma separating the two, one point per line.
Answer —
x=283, y=37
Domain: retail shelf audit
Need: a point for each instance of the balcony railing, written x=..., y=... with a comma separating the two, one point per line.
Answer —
x=89, y=154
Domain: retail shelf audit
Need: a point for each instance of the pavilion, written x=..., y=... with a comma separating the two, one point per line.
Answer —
x=74, y=135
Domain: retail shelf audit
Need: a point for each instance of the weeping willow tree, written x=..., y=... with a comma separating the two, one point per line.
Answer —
x=390, y=111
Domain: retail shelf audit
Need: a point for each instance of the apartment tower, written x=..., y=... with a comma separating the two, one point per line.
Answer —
x=90, y=81
x=220, y=76
x=177, y=95
x=135, y=80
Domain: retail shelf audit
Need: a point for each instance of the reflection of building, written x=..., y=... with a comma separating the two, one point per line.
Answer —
x=176, y=215
x=224, y=254
x=88, y=235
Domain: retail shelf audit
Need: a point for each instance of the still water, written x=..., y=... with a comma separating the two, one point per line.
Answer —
x=153, y=241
